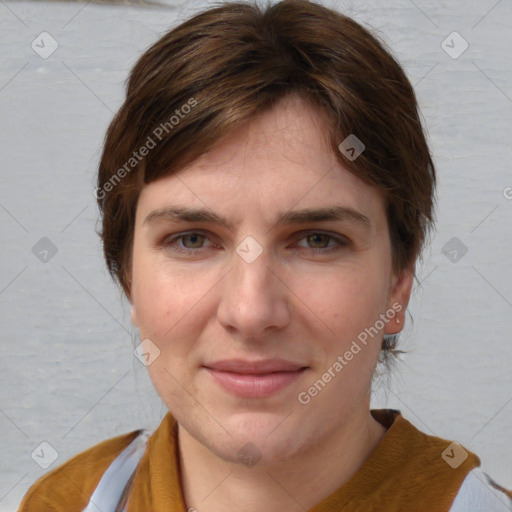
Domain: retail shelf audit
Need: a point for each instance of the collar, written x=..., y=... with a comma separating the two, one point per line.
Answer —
x=406, y=471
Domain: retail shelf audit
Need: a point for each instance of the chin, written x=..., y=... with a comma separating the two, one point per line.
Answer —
x=254, y=452
x=268, y=437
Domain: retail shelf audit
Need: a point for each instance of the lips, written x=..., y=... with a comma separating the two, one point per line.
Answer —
x=254, y=379
x=255, y=367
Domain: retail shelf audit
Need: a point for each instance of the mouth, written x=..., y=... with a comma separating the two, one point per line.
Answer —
x=254, y=379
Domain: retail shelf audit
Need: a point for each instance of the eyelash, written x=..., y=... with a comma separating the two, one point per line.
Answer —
x=340, y=242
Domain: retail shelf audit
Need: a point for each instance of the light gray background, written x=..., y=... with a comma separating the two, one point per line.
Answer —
x=68, y=373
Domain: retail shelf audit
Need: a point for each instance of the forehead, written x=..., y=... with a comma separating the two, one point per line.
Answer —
x=278, y=161
x=293, y=131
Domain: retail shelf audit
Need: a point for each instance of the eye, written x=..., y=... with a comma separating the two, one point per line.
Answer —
x=190, y=242
x=320, y=242
x=196, y=240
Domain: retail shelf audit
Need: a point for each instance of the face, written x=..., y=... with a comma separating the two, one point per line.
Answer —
x=268, y=317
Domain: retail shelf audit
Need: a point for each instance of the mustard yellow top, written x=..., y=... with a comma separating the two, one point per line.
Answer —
x=406, y=471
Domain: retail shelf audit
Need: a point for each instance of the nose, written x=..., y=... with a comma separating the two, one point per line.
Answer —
x=255, y=300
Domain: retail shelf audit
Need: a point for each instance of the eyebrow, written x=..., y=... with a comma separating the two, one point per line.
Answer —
x=304, y=216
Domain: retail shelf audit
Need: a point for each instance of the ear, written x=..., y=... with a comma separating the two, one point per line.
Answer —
x=398, y=300
x=133, y=316
x=127, y=287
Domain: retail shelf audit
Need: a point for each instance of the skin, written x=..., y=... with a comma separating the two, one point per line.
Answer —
x=293, y=303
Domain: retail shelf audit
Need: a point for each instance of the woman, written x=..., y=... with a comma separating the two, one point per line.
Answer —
x=266, y=190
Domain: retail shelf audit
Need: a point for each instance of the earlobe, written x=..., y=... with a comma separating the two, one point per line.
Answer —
x=398, y=301
x=133, y=316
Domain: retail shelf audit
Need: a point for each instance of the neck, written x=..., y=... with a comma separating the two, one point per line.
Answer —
x=212, y=484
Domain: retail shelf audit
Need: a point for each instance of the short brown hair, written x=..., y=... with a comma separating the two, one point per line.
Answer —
x=227, y=64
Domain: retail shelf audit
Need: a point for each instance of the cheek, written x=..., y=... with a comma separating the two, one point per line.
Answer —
x=156, y=300
x=154, y=311
x=167, y=317
x=350, y=307
x=169, y=304
x=344, y=301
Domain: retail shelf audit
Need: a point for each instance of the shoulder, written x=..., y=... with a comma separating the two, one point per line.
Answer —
x=479, y=493
x=68, y=487
x=441, y=474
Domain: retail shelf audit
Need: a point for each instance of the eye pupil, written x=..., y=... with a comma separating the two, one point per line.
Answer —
x=195, y=239
x=316, y=237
